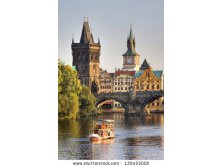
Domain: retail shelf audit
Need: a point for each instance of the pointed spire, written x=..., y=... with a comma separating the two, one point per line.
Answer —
x=131, y=44
x=145, y=65
x=86, y=35
x=72, y=39
x=131, y=34
x=134, y=42
x=98, y=41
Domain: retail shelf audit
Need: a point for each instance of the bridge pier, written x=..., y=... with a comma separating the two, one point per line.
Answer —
x=133, y=102
x=133, y=110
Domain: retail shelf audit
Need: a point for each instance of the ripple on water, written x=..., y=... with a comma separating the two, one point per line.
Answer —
x=134, y=140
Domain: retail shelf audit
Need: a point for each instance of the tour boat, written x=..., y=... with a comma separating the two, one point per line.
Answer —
x=101, y=130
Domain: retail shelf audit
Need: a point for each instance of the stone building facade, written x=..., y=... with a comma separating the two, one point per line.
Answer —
x=122, y=80
x=148, y=79
x=106, y=85
x=86, y=56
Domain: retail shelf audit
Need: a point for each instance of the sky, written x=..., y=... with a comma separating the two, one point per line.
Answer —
x=111, y=20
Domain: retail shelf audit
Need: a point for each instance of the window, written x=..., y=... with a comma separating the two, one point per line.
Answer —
x=158, y=104
x=137, y=87
x=125, y=88
x=158, y=86
x=118, y=88
x=148, y=87
x=152, y=86
x=115, y=83
x=152, y=104
x=115, y=88
x=121, y=88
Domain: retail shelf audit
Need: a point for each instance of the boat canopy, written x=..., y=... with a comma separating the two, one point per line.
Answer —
x=109, y=120
x=106, y=120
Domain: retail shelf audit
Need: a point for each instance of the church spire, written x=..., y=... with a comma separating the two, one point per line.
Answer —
x=131, y=44
x=98, y=40
x=72, y=39
x=134, y=42
x=131, y=34
x=86, y=35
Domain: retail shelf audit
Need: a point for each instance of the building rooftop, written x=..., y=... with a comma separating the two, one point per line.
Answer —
x=138, y=74
x=111, y=74
x=86, y=35
x=158, y=73
x=145, y=65
x=130, y=45
x=122, y=72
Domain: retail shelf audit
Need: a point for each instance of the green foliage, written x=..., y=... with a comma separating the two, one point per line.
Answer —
x=87, y=101
x=71, y=95
x=69, y=88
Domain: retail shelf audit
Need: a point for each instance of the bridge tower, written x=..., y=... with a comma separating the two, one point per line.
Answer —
x=86, y=56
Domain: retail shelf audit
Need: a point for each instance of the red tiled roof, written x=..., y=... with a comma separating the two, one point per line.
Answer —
x=121, y=72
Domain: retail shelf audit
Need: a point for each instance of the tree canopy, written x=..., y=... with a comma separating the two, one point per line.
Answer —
x=69, y=88
x=87, y=101
x=72, y=96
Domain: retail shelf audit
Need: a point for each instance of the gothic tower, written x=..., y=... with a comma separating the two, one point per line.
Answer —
x=131, y=59
x=86, y=56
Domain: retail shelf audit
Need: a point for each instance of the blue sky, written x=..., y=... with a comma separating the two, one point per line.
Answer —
x=110, y=20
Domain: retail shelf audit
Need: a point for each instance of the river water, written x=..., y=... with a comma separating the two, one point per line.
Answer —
x=140, y=138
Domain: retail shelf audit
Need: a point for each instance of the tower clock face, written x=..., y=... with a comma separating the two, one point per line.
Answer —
x=129, y=61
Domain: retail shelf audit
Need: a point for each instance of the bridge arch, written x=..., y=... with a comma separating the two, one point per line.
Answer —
x=147, y=101
x=122, y=102
x=133, y=103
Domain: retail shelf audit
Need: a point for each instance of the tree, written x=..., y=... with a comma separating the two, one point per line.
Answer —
x=87, y=101
x=69, y=88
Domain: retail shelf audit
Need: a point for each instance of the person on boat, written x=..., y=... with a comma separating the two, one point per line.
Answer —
x=111, y=133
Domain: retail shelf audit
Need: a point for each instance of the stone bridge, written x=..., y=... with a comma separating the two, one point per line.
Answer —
x=133, y=103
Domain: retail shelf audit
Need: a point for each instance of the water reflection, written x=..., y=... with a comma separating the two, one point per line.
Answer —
x=136, y=138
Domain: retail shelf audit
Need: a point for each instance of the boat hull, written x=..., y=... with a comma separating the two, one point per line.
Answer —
x=101, y=138
x=94, y=137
